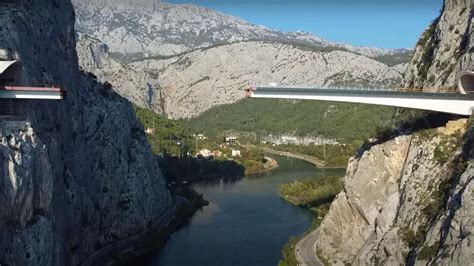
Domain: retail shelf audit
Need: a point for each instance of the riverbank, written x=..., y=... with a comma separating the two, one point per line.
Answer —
x=137, y=248
x=316, y=195
x=323, y=156
x=312, y=193
x=227, y=226
x=188, y=169
x=269, y=165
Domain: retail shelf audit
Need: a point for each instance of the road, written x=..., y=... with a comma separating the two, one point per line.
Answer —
x=305, y=250
x=304, y=157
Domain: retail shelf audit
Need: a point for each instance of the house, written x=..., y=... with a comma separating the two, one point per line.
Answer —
x=217, y=153
x=231, y=140
x=236, y=153
x=205, y=153
x=289, y=140
x=199, y=137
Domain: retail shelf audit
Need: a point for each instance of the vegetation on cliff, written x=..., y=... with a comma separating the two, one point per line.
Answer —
x=453, y=152
x=168, y=136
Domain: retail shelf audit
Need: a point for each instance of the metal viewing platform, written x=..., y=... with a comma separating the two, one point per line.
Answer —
x=10, y=73
x=39, y=93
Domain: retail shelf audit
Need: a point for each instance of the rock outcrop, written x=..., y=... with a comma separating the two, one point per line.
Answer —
x=410, y=200
x=189, y=84
x=79, y=174
x=183, y=59
x=444, y=49
x=407, y=200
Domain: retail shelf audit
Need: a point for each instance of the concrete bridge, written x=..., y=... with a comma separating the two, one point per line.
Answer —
x=454, y=103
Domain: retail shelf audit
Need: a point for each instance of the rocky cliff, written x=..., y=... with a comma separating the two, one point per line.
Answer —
x=409, y=200
x=444, y=49
x=184, y=59
x=188, y=84
x=76, y=174
x=146, y=28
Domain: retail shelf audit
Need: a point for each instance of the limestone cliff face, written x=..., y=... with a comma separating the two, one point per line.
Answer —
x=410, y=200
x=150, y=28
x=444, y=49
x=78, y=174
x=184, y=59
x=187, y=85
x=407, y=200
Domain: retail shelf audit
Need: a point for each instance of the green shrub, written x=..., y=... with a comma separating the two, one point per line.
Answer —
x=288, y=252
x=325, y=261
x=428, y=252
x=446, y=148
x=411, y=238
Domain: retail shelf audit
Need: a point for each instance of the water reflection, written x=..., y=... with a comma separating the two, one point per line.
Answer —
x=246, y=222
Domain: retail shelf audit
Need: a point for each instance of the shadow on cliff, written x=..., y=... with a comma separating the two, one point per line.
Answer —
x=420, y=121
x=192, y=170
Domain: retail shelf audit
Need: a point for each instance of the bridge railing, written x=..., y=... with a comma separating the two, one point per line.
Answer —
x=446, y=90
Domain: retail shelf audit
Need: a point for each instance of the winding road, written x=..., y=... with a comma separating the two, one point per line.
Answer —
x=305, y=250
x=319, y=163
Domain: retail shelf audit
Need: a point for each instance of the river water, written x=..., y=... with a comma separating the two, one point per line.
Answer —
x=246, y=223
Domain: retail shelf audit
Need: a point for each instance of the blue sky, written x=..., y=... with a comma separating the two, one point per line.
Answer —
x=378, y=23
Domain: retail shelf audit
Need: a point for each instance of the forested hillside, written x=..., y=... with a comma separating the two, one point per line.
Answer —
x=346, y=122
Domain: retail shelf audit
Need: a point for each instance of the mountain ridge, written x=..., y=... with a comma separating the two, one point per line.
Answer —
x=186, y=85
x=174, y=28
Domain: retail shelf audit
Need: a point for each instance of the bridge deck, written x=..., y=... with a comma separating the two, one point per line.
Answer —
x=441, y=102
x=363, y=93
x=46, y=93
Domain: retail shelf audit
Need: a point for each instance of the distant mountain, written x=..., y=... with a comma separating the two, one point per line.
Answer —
x=121, y=4
x=149, y=28
x=183, y=59
x=188, y=84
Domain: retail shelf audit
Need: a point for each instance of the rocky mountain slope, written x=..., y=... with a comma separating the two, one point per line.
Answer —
x=146, y=28
x=77, y=174
x=189, y=84
x=443, y=50
x=409, y=200
x=183, y=59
